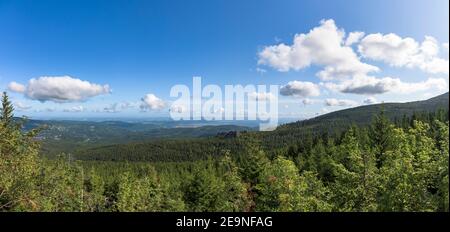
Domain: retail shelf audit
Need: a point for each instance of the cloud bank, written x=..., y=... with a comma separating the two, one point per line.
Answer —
x=345, y=70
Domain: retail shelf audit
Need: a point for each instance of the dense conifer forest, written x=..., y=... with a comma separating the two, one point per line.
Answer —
x=398, y=164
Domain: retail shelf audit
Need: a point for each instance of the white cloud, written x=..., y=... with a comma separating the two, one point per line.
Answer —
x=127, y=105
x=404, y=52
x=62, y=89
x=342, y=70
x=74, y=109
x=118, y=107
x=307, y=101
x=45, y=110
x=370, y=101
x=339, y=102
x=20, y=106
x=372, y=85
x=354, y=37
x=323, y=46
x=300, y=89
x=151, y=102
x=16, y=87
x=261, y=96
x=113, y=108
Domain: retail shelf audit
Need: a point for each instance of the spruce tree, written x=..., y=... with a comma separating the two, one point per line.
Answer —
x=7, y=110
x=355, y=187
x=381, y=132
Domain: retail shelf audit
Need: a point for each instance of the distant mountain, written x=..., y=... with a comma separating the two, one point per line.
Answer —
x=69, y=136
x=363, y=114
x=170, y=149
x=338, y=121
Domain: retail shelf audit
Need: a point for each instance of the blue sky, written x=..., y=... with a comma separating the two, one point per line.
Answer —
x=146, y=47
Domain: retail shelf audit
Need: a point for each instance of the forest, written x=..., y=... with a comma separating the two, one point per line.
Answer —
x=399, y=165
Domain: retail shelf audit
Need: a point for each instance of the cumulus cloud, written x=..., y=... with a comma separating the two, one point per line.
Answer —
x=151, y=102
x=354, y=37
x=16, y=87
x=323, y=46
x=300, y=89
x=372, y=85
x=343, y=70
x=370, y=101
x=339, y=102
x=404, y=52
x=74, y=109
x=59, y=89
x=261, y=96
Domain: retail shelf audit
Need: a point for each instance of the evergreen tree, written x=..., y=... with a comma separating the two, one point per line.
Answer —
x=235, y=191
x=94, y=198
x=355, y=186
x=408, y=172
x=7, y=110
x=204, y=191
x=18, y=163
x=283, y=189
x=60, y=186
x=380, y=135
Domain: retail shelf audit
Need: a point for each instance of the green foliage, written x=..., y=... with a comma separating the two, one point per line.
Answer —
x=94, y=199
x=18, y=163
x=401, y=166
x=282, y=188
x=60, y=186
x=355, y=187
x=380, y=135
x=7, y=110
x=236, y=193
x=409, y=171
x=204, y=191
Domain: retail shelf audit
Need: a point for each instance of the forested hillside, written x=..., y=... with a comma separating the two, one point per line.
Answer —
x=379, y=167
x=363, y=115
x=273, y=142
x=69, y=136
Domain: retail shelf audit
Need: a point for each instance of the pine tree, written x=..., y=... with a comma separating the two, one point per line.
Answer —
x=19, y=164
x=282, y=188
x=204, y=191
x=235, y=193
x=355, y=187
x=380, y=135
x=7, y=110
x=408, y=172
x=94, y=199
